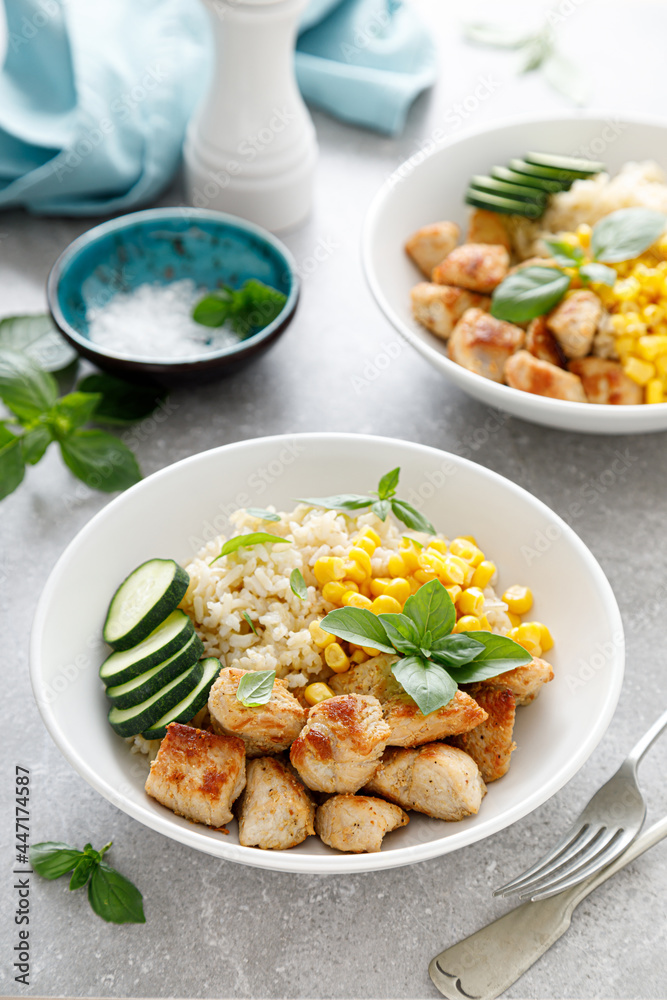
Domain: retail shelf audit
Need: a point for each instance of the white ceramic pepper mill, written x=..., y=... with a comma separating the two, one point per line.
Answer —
x=250, y=148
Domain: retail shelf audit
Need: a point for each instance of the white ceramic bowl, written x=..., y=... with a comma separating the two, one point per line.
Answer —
x=431, y=185
x=173, y=511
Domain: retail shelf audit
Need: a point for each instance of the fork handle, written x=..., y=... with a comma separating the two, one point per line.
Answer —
x=646, y=741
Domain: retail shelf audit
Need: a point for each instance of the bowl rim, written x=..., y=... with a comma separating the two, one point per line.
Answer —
x=497, y=391
x=340, y=863
x=178, y=365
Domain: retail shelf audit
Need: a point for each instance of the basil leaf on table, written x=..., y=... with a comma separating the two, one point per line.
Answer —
x=24, y=388
x=497, y=36
x=357, y=625
x=82, y=872
x=114, y=898
x=121, y=402
x=72, y=411
x=599, y=273
x=247, y=541
x=566, y=78
x=255, y=688
x=626, y=233
x=100, y=460
x=298, y=584
x=39, y=339
x=429, y=686
x=35, y=442
x=529, y=292
x=12, y=462
x=52, y=858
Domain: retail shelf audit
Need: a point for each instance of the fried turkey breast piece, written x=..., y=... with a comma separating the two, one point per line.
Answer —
x=275, y=811
x=357, y=823
x=490, y=744
x=269, y=728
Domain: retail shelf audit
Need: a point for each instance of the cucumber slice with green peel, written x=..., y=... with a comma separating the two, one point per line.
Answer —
x=570, y=163
x=134, y=720
x=143, y=601
x=562, y=177
x=162, y=643
x=500, y=203
x=519, y=191
x=134, y=691
x=512, y=177
x=190, y=705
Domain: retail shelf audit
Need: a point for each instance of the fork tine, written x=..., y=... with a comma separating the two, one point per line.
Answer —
x=613, y=844
x=561, y=867
x=566, y=843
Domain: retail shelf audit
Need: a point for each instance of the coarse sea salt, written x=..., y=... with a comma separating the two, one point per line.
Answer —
x=155, y=322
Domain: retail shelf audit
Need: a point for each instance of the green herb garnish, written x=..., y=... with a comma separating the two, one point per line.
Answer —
x=434, y=661
x=298, y=584
x=381, y=502
x=39, y=416
x=534, y=291
x=247, y=541
x=250, y=622
x=265, y=515
x=246, y=309
x=255, y=688
x=112, y=896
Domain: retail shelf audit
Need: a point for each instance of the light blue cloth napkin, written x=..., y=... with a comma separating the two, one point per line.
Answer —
x=95, y=96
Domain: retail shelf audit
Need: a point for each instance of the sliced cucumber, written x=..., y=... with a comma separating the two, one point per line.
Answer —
x=132, y=721
x=519, y=191
x=573, y=164
x=190, y=705
x=499, y=203
x=163, y=641
x=512, y=177
x=560, y=177
x=143, y=601
x=154, y=680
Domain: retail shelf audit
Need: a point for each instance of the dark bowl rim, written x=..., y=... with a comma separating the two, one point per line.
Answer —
x=231, y=353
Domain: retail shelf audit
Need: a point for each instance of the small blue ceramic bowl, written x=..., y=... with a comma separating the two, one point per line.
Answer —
x=162, y=245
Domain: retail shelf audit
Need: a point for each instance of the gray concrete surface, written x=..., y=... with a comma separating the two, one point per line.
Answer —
x=220, y=930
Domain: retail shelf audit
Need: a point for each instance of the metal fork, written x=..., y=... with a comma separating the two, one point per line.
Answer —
x=609, y=823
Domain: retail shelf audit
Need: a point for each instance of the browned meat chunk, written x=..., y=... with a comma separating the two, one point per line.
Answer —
x=541, y=342
x=479, y=267
x=606, y=382
x=483, y=344
x=431, y=244
x=268, y=728
x=574, y=322
x=440, y=307
x=524, y=682
x=528, y=373
x=357, y=823
x=487, y=227
x=275, y=810
x=490, y=744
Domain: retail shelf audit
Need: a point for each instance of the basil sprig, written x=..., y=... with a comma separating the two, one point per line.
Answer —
x=39, y=416
x=534, y=291
x=247, y=541
x=247, y=309
x=255, y=688
x=434, y=661
x=381, y=501
x=112, y=896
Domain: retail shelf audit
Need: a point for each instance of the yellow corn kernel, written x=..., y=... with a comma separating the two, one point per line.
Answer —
x=654, y=393
x=396, y=565
x=469, y=623
x=370, y=651
x=661, y=364
x=415, y=584
x=365, y=543
x=639, y=371
x=430, y=560
x=584, y=234
x=333, y=592
x=529, y=636
x=469, y=538
x=361, y=557
x=385, y=605
x=453, y=590
x=353, y=571
x=368, y=532
x=466, y=550
x=359, y=656
x=320, y=637
x=424, y=576
x=518, y=599
x=471, y=602
x=315, y=693
x=337, y=658
x=483, y=574
x=351, y=585
x=410, y=560
x=650, y=346
x=352, y=600
x=329, y=568
x=624, y=346
x=484, y=624
x=438, y=544
x=546, y=638
x=454, y=570
x=379, y=585
x=365, y=588
x=515, y=619
x=399, y=589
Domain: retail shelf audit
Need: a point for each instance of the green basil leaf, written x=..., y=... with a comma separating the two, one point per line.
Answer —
x=213, y=310
x=381, y=508
x=455, y=650
x=247, y=541
x=566, y=78
x=499, y=654
x=265, y=515
x=255, y=688
x=388, y=483
x=534, y=53
x=357, y=625
x=495, y=36
x=72, y=411
x=114, y=898
x=341, y=501
x=298, y=584
x=598, y=273
x=122, y=402
x=254, y=306
x=100, y=460
x=427, y=684
x=34, y=443
x=402, y=633
x=564, y=253
x=12, y=462
x=52, y=858
x=432, y=610
x=25, y=389
x=529, y=292
x=82, y=872
x=250, y=622
x=406, y=513
x=38, y=338
x=626, y=233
